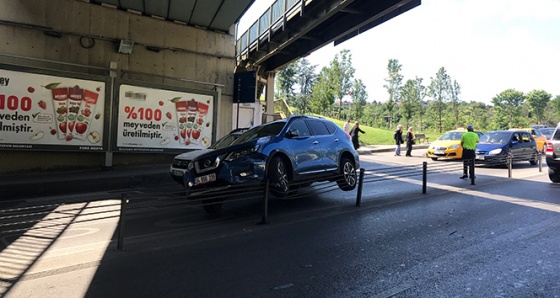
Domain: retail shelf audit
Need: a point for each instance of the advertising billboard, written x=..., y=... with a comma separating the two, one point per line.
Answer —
x=47, y=112
x=159, y=120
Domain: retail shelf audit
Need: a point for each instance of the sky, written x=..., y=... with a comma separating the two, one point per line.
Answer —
x=487, y=46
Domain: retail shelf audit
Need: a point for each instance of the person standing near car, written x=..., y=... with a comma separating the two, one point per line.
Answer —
x=397, y=135
x=468, y=142
x=410, y=140
x=347, y=126
x=354, y=134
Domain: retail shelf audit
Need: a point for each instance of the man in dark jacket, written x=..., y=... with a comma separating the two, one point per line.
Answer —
x=354, y=134
x=398, y=139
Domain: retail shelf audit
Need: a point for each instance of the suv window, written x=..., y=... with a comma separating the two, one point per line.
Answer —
x=526, y=137
x=319, y=129
x=516, y=137
x=300, y=127
x=331, y=127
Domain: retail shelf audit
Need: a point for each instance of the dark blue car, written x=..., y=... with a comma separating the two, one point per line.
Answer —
x=495, y=147
x=286, y=152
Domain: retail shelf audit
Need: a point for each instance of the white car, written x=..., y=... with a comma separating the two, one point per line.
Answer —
x=181, y=161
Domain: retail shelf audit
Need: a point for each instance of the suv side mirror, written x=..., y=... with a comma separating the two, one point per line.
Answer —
x=292, y=133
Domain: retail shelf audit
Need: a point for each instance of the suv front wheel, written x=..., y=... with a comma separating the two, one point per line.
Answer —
x=278, y=177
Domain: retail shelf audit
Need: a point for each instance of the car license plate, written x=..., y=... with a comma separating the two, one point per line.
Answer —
x=205, y=179
x=178, y=173
x=480, y=157
x=439, y=152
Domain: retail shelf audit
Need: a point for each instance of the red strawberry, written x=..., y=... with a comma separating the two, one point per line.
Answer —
x=30, y=89
x=196, y=134
x=69, y=138
x=42, y=104
x=161, y=103
x=168, y=115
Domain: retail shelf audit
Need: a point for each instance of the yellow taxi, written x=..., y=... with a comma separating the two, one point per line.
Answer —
x=537, y=135
x=448, y=145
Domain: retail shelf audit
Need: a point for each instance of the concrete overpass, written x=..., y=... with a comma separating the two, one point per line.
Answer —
x=289, y=30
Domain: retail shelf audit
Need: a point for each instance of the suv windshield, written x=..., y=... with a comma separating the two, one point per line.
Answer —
x=266, y=130
x=495, y=137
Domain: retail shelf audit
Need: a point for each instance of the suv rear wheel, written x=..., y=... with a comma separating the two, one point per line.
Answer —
x=349, y=177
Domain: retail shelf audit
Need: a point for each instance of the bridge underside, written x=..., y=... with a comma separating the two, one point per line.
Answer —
x=316, y=25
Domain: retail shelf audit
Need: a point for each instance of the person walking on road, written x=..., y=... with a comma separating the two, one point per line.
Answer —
x=410, y=140
x=468, y=143
x=397, y=135
x=354, y=134
x=347, y=126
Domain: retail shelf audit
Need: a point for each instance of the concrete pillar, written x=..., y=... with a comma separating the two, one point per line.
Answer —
x=269, y=95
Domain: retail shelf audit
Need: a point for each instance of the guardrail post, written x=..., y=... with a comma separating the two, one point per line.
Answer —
x=540, y=160
x=265, y=204
x=360, y=185
x=509, y=164
x=471, y=170
x=120, y=243
x=424, y=176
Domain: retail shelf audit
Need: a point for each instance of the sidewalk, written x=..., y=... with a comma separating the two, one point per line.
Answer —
x=67, y=182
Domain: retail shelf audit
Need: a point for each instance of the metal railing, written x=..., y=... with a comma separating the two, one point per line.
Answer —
x=274, y=18
x=134, y=204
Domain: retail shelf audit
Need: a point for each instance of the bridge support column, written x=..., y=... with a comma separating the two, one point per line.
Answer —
x=269, y=95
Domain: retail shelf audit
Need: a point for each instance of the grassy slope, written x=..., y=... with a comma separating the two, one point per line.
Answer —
x=378, y=136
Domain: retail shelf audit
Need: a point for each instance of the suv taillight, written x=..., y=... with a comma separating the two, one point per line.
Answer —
x=549, y=147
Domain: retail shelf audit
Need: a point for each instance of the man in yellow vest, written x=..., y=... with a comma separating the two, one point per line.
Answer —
x=468, y=142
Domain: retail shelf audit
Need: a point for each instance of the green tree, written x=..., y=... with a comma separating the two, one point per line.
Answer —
x=507, y=104
x=454, y=91
x=556, y=104
x=285, y=81
x=306, y=78
x=538, y=100
x=411, y=96
x=359, y=96
x=439, y=91
x=393, y=86
x=322, y=97
x=341, y=75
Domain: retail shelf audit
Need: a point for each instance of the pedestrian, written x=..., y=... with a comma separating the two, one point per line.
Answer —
x=468, y=143
x=397, y=135
x=410, y=140
x=354, y=134
x=347, y=126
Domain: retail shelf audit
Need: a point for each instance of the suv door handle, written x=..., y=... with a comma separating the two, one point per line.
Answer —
x=336, y=140
x=315, y=142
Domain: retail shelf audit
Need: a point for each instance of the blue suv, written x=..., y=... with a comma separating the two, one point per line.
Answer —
x=495, y=147
x=286, y=152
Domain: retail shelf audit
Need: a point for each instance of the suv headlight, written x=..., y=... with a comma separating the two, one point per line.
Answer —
x=495, y=151
x=241, y=153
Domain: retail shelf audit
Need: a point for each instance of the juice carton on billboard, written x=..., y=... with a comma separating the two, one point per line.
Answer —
x=85, y=117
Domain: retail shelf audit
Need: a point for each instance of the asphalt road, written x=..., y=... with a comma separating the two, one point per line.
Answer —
x=497, y=238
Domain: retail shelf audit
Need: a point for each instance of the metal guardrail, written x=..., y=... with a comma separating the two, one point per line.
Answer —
x=274, y=18
x=33, y=217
